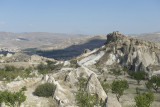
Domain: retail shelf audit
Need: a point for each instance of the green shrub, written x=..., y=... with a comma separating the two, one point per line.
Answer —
x=20, y=97
x=41, y=67
x=24, y=88
x=9, y=73
x=12, y=98
x=44, y=90
x=144, y=99
x=140, y=75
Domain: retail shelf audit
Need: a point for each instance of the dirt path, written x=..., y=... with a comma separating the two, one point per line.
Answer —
x=34, y=101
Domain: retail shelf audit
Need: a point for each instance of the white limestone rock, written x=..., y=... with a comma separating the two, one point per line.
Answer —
x=93, y=86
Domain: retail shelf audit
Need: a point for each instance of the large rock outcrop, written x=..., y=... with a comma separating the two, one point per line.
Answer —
x=120, y=50
x=133, y=53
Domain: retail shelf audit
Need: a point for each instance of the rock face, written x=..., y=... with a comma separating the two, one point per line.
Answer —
x=61, y=95
x=133, y=53
x=73, y=76
x=93, y=86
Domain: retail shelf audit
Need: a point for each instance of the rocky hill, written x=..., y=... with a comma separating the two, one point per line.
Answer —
x=119, y=50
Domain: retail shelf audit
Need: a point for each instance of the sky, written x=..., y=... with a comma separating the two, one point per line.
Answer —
x=80, y=16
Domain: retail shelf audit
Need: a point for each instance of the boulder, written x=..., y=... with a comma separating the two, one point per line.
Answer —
x=93, y=86
x=62, y=96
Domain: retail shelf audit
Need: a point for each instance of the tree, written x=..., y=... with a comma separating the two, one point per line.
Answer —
x=144, y=99
x=118, y=87
x=154, y=83
x=139, y=76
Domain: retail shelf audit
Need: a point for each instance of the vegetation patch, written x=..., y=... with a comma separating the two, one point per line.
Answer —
x=144, y=99
x=84, y=99
x=44, y=90
x=49, y=67
x=118, y=87
x=9, y=73
x=106, y=86
x=12, y=99
x=154, y=83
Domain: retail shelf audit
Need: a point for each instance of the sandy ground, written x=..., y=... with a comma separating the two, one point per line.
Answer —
x=34, y=101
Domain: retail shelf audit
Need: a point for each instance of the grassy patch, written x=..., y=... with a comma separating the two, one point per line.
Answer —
x=9, y=73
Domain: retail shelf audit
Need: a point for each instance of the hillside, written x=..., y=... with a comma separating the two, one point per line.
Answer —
x=88, y=76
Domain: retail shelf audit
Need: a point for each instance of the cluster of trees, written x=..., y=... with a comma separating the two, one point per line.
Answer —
x=142, y=99
x=139, y=75
x=9, y=73
x=44, y=90
x=13, y=99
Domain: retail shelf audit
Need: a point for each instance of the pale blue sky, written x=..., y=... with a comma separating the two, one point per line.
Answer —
x=80, y=16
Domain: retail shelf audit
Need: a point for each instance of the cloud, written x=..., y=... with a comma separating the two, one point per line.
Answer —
x=3, y=23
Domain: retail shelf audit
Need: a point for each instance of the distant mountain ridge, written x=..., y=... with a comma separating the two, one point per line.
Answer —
x=32, y=39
